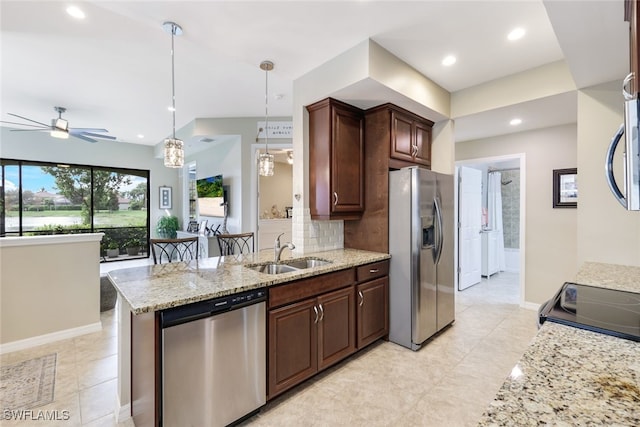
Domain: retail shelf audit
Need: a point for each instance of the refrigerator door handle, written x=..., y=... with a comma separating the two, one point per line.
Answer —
x=609, y=167
x=439, y=232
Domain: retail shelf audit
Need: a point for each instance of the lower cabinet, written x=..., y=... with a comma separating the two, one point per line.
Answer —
x=308, y=336
x=372, y=312
x=316, y=322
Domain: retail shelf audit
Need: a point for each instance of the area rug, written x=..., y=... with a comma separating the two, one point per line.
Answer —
x=28, y=384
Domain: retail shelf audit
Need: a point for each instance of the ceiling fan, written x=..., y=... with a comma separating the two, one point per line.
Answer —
x=59, y=128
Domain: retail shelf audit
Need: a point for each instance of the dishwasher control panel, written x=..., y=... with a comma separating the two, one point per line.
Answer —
x=197, y=310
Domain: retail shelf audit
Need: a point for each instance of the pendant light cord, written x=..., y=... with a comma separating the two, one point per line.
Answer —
x=266, y=110
x=173, y=80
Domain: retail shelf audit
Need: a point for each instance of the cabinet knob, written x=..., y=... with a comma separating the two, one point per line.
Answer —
x=321, y=313
x=315, y=310
x=374, y=270
x=335, y=198
x=361, y=298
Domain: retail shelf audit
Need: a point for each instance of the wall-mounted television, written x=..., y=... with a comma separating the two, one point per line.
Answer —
x=211, y=196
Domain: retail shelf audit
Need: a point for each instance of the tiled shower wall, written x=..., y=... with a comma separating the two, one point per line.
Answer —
x=511, y=208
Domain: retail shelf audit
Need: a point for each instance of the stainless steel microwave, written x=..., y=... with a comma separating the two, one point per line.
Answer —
x=629, y=196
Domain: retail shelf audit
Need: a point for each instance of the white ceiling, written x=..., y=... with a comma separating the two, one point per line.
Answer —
x=113, y=69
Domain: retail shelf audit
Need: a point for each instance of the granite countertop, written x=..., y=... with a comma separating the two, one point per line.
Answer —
x=570, y=376
x=156, y=287
x=612, y=276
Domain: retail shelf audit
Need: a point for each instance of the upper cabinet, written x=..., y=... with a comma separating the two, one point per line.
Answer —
x=408, y=135
x=336, y=160
x=632, y=15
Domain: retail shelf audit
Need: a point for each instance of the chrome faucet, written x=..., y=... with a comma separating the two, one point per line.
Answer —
x=277, y=249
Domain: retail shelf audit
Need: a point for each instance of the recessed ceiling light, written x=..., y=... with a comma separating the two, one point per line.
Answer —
x=449, y=60
x=516, y=34
x=515, y=122
x=75, y=12
x=140, y=136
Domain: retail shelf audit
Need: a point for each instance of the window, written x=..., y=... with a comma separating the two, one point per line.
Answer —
x=46, y=198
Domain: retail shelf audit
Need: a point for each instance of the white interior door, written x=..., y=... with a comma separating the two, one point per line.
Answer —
x=469, y=219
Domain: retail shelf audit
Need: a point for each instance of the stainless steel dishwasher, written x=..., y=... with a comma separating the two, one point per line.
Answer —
x=214, y=360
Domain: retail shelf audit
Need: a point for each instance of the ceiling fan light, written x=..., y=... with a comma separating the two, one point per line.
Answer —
x=61, y=124
x=59, y=133
x=265, y=164
x=173, y=153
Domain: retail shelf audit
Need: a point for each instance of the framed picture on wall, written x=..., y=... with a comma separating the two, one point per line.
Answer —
x=565, y=188
x=165, y=197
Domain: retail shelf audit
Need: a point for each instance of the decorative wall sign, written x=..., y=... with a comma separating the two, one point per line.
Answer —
x=165, y=197
x=276, y=129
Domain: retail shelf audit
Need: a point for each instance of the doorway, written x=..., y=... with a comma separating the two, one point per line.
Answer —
x=502, y=235
x=274, y=199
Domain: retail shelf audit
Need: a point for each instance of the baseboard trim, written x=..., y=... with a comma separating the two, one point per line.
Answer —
x=531, y=306
x=123, y=412
x=49, y=338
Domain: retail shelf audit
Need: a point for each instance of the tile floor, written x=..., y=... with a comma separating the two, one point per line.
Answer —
x=449, y=382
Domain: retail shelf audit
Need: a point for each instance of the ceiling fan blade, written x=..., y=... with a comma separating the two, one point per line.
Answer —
x=24, y=124
x=24, y=118
x=78, y=130
x=95, y=135
x=30, y=130
x=83, y=137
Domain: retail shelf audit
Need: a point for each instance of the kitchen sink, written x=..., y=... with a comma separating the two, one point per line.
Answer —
x=287, y=266
x=307, y=262
x=272, y=268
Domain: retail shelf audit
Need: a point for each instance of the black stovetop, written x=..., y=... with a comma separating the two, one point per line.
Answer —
x=607, y=311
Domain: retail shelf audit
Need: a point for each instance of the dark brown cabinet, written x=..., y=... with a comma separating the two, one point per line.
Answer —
x=408, y=135
x=336, y=160
x=372, y=298
x=293, y=345
x=313, y=328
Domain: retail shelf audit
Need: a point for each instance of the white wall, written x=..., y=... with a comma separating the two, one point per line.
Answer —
x=551, y=234
x=50, y=287
x=39, y=146
x=606, y=231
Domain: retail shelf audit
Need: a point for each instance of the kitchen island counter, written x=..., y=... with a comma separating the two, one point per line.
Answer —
x=571, y=376
x=156, y=287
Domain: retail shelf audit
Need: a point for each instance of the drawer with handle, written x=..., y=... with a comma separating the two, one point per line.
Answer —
x=372, y=271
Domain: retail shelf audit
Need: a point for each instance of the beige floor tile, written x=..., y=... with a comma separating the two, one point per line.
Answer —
x=93, y=372
x=95, y=346
x=97, y=401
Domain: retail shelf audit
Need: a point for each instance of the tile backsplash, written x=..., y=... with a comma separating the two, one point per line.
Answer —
x=511, y=208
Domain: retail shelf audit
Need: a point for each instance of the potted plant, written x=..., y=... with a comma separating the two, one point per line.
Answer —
x=132, y=246
x=168, y=227
x=113, y=249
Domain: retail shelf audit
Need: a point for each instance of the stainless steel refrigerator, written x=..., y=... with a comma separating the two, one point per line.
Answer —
x=421, y=244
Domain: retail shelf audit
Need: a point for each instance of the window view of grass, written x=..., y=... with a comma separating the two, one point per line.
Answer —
x=39, y=198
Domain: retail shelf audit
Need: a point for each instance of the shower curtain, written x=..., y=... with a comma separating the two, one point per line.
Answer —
x=494, y=204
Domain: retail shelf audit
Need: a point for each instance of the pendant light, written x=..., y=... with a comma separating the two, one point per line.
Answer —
x=173, y=147
x=265, y=160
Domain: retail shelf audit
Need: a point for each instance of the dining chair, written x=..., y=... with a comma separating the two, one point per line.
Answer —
x=235, y=244
x=169, y=250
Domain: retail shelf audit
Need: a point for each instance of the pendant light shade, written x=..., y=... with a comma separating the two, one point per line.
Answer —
x=173, y=147
x=266, y=161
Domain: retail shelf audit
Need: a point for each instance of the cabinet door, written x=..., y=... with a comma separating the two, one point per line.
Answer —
x=336, y=327
x=401, y=137
x=347, y=161
x=372, y=313
x=423, y=143
x=293, y=351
